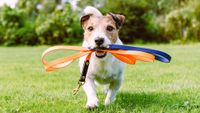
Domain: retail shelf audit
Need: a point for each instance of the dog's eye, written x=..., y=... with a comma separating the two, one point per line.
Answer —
x=90, y=28
x=109, y=28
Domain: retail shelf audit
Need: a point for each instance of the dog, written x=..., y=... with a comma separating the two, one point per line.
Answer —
x=100, y=31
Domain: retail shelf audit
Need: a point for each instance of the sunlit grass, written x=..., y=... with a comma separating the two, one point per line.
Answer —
x=147, y=87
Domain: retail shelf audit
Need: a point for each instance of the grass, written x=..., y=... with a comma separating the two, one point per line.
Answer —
x=148, y=87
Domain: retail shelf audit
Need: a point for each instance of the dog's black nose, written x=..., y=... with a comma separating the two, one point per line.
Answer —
x=99, y=41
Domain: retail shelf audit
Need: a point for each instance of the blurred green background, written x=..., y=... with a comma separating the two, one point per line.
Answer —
x=38, y=22
x=156, y=87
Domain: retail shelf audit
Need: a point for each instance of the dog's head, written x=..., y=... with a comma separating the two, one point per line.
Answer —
x=100, y=30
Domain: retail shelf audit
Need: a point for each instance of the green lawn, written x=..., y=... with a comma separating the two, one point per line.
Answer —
x=148, y=87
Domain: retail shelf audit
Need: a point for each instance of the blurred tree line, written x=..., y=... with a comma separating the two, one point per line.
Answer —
x=34, y=22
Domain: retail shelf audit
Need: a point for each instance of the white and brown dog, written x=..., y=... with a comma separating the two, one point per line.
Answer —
x=105, y=69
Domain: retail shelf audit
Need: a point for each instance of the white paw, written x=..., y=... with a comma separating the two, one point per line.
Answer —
x=105, y=89
x=109, y=101
x=92, y=103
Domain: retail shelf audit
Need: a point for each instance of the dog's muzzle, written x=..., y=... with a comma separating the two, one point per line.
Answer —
x=98, y=51
x=99, y=42
x=100, y=54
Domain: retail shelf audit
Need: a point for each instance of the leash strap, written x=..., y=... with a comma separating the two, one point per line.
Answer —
x=159, y=55
x=62, y=62
x=127, y=54
x=83, y=74
x=85, y=68
x=129, y=57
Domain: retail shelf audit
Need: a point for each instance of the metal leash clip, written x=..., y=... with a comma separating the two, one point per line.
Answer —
x=75, y=91
x=83, y=75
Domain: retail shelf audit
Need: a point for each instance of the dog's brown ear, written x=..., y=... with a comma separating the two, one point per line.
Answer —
x=119, y=19
x=84, y=19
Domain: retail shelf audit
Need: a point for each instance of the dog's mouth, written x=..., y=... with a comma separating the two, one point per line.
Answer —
x=100, y=54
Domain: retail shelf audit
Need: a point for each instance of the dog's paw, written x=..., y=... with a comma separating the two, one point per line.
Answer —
x=109, y=101
x=92, y=104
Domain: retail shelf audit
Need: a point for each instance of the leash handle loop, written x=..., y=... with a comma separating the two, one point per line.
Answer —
x=62, y=62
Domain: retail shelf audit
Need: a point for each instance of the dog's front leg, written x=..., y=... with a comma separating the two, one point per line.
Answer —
x=112, y=91
x=89, y=88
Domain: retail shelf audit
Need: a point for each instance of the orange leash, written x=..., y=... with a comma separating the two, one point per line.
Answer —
x=129, y=57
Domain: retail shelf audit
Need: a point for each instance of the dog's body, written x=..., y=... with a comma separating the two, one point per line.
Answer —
x=105, y=69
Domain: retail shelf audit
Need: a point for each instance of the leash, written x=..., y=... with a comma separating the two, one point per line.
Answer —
x=126, y=54
x=83, y=74
x=159, y=55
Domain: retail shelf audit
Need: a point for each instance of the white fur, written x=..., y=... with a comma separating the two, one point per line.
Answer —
x=91, y=10
x=97, y=34
x=107, y=71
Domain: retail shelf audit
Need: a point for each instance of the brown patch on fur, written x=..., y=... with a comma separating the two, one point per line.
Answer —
x=84, y=19
x=113, y=35
x=100, y=25
x=119, y=19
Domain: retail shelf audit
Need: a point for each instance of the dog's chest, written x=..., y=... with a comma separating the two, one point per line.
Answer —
x=106, y=71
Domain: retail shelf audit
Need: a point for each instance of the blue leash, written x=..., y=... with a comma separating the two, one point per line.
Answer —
x=159, y=55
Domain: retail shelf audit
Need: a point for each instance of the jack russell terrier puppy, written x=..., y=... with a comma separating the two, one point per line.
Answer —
x=100, y=31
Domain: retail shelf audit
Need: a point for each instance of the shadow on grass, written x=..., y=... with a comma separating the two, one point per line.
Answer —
x=130, y=101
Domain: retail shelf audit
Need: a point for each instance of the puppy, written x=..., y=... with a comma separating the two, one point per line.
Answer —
x=104, y=68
